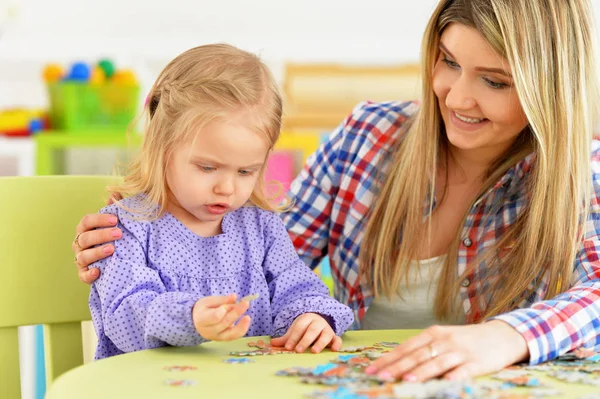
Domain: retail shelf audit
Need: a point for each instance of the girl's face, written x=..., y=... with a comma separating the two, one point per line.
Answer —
x=217, y=172
x=476, y=94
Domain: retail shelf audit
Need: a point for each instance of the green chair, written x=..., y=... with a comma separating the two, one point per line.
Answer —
x=38, y=280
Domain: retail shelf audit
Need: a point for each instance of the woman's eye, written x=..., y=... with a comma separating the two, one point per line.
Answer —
x=495, y=85
x=451, y=64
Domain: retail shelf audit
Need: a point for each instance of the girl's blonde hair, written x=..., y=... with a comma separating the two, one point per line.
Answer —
x=549, y=45
x=203, y=84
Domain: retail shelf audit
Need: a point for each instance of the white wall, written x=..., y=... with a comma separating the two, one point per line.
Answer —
x=144, y=35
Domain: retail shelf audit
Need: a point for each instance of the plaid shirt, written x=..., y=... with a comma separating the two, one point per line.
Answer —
x=336, y=188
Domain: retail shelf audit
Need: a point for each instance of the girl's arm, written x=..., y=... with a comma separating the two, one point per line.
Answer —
x=130, y=304
x=294, y=289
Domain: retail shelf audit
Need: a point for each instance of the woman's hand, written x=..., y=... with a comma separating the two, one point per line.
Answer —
x=453, y=352
x=309, y=329
x=84, y=244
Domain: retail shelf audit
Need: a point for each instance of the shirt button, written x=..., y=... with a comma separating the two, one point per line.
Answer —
x=466, y=282
x=467, y=241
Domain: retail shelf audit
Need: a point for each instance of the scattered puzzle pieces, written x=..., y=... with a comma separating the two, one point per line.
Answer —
x=263, y=349
x=353, y=349
x=238, y=360
x=386, y=344
x=179, y=368
x=344, y=378
x=180, y=383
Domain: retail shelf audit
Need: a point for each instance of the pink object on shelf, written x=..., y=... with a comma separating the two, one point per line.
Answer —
x=280, y=167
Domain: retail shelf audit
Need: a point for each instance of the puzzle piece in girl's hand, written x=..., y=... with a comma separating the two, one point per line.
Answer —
x=179, y=368
x=238, y=360
x=249, y=298
x=180, y=383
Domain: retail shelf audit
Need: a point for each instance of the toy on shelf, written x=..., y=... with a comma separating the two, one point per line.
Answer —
x=53, y=73
x=87, y=96
x=79, y=72
x=21, y=122
x=108, y=67
x=98, y=76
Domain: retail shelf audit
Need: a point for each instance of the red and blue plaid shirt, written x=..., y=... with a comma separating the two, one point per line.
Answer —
x=332, y=196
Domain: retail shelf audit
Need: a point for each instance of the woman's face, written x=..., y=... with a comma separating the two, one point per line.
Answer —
x=476, y=94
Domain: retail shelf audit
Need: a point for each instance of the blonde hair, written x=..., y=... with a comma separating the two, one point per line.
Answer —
x=202, y=84
x=550, y=48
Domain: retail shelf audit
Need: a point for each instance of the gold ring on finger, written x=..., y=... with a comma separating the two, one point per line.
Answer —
x=76, y=241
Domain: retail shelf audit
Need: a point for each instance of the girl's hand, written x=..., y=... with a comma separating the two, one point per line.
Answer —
x=214, y=318
x=84, y=244
x=455, y=353
x=309, y=329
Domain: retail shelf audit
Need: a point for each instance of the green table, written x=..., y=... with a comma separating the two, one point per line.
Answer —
x=142, y=375
x=50, y=145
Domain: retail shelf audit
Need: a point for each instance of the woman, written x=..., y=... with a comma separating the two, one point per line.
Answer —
x=479, y=206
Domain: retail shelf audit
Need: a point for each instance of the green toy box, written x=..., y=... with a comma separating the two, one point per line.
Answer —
x=76, y=106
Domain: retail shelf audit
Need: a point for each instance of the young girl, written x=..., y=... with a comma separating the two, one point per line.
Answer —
x=198, y=232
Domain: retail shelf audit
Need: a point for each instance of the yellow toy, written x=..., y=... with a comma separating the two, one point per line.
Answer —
x=53, y=73
x=124, y=77
x=22, y=122
x=98, y=76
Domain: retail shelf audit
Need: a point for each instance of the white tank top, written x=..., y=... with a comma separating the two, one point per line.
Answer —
x=415, y=309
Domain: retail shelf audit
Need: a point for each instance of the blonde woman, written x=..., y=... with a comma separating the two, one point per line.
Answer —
x=480, y=206
x=198, y=231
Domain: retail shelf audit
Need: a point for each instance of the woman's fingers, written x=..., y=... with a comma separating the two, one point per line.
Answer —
x=94, y=221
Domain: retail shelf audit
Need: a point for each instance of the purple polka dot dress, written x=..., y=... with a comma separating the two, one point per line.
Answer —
x=147, y=288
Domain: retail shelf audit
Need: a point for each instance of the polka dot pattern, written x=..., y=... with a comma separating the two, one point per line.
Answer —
x=147, y=288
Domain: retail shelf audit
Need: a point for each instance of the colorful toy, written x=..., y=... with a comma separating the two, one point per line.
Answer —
x=98, y=76
x=53, y=73
x=97, y=97
x=22, y=122
x=108, y=67
x=124, y=77
x=79, y=72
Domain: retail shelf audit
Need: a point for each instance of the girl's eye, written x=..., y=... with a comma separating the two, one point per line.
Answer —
x=245, y=172
x=206, y=168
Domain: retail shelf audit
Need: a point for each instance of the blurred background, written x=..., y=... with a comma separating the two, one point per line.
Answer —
x=74, y=73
